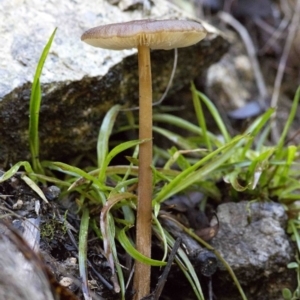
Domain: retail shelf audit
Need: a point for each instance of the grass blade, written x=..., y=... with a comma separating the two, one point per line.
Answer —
x=189, y=176
x=214, y=112
x=200, y=117
x=130, y=249
x=288, y=123
x=34, y=109
x=82, y=251
x=103, y=137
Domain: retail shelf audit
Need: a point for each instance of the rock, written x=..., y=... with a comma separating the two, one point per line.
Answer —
x=79, y=83
x=231, y=81
x=253, y=241
x=23, y=274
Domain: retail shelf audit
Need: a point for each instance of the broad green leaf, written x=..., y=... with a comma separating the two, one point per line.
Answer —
x=287, y=294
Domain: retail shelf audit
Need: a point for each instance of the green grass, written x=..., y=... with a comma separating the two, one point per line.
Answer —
x=197, y=160
x=34, y=109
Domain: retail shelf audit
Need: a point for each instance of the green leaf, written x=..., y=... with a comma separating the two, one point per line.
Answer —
x=255, y=128
x=200, y=117
x=118, y=149
x=103, y=137
x=175, y=138
x=258, y=166
x=214, y=112
x=287, y=294
x=288, y=123
x=82, y=249
x=129, y=248
x=15, y=168
x=293, y=265
x=291, y=156
x=184, y=124
x=34, y=187
x=178, y=158
x=76, y=172
x=191, y=175
x=232, y=178
x=34, y=109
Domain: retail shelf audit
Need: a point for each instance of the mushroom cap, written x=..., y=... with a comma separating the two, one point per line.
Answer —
x=157, y=34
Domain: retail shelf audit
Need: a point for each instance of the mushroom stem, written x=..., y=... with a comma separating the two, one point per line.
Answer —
x=144, y=206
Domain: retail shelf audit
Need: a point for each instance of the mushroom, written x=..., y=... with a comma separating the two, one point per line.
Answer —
x=145, y=35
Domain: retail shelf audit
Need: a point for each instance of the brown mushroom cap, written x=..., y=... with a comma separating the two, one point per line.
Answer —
x=157, y=34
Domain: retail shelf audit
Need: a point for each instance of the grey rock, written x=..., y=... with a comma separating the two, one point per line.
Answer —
x=79, y=82
x=20, y=277
x=253, y=241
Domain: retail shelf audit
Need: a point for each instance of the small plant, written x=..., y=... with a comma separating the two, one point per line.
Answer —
x=34, y=109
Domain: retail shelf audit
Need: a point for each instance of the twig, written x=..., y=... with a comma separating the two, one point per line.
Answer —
x=282, y=63
x=287, y=47
x=162, y=98
x=203, y=259
x=275, y=35
x=155, y=295
x=163, y=278
x=242, y=31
